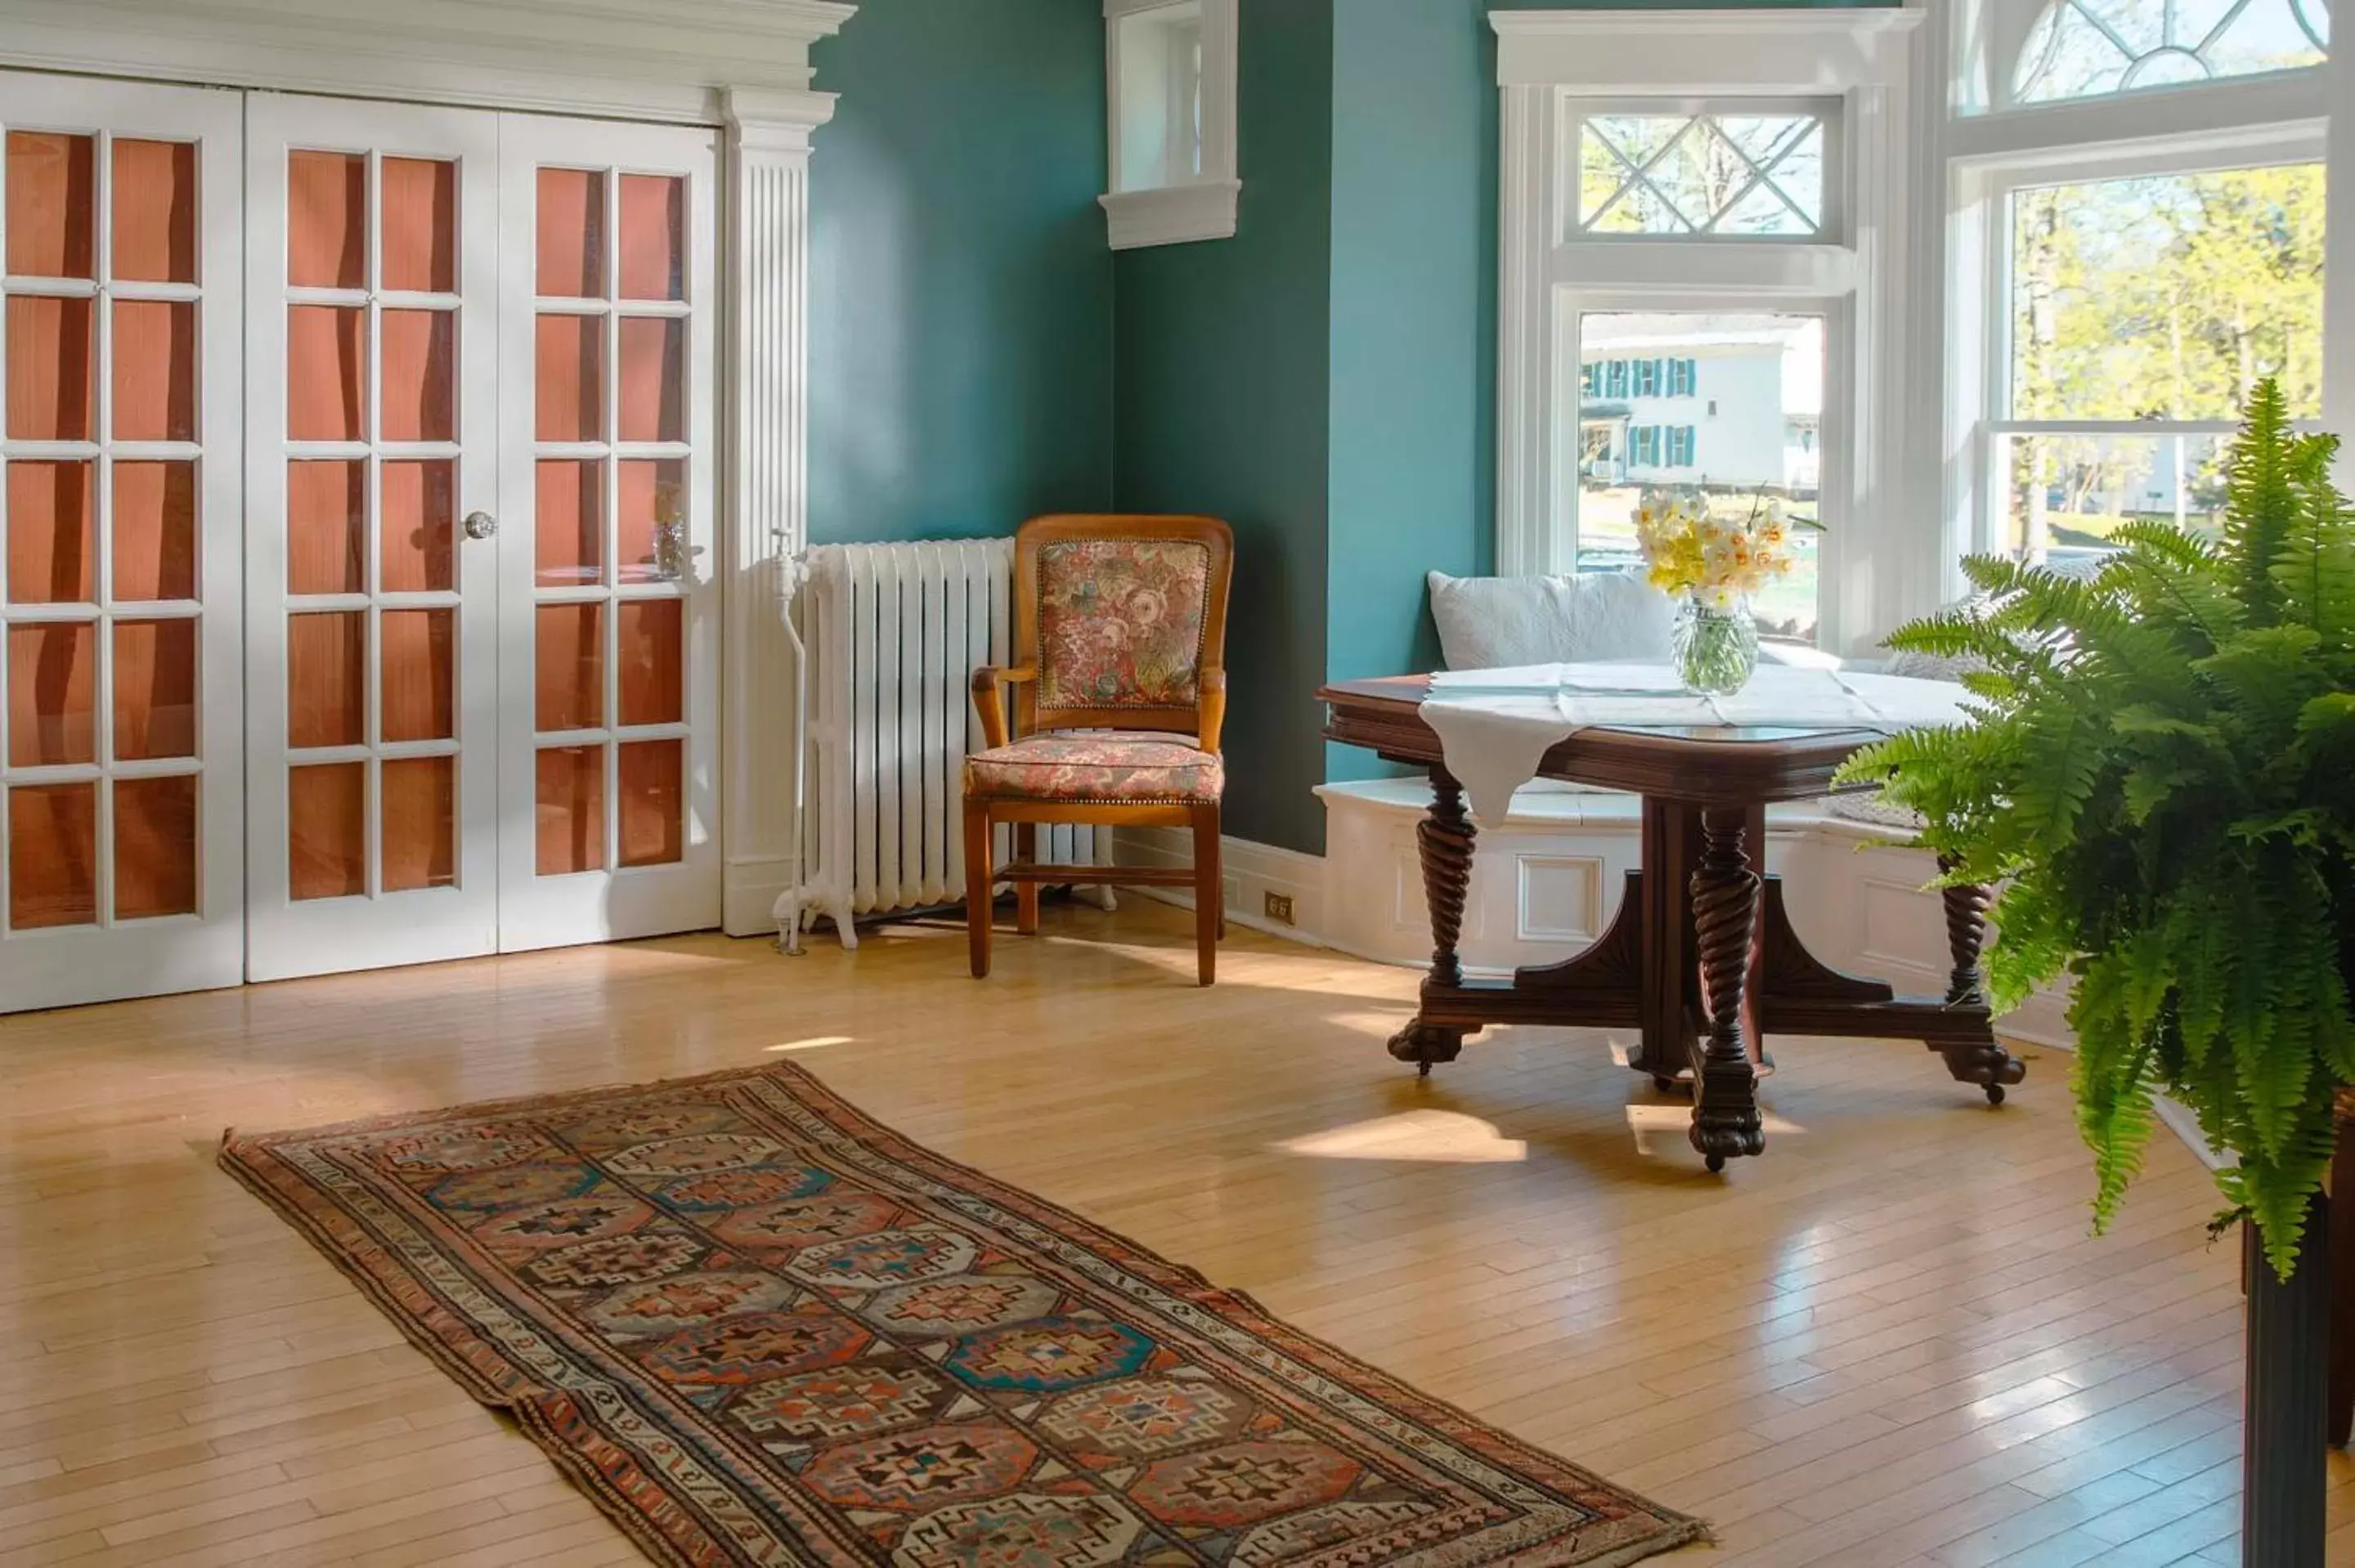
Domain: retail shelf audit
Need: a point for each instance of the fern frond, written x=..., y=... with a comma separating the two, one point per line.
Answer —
x=2315, y=567
x=2261, y=497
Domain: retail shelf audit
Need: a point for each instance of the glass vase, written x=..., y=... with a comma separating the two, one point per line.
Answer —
x=1716, y=650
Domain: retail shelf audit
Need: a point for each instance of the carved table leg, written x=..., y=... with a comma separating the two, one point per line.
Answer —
x=1981, y=1061
x=1725, y=923
x=1444, y=839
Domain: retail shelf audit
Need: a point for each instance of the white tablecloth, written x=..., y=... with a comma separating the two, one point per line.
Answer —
x=1495, y=724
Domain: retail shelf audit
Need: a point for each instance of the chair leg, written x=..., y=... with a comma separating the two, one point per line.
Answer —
x=978, y=875
x=1210, y=893
x=1026, y=893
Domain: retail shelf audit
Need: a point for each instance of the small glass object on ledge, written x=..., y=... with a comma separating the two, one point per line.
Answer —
x=1716, y=648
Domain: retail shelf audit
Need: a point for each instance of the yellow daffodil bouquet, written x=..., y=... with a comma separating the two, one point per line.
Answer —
x=1719, y=563
x=1712, y=566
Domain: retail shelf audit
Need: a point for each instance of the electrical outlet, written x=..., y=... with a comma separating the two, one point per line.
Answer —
x=1279, y=906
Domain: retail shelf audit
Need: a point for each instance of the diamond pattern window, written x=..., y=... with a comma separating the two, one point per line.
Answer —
x=1739, y=176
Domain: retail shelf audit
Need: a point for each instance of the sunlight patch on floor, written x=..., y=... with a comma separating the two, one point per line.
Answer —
x=812, y=1043
x=1662, y=1128
x=1430, y=1137
x=1374, y=1025
x=914, y=930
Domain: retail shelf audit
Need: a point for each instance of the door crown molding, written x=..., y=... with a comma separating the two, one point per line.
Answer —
x=608, y=57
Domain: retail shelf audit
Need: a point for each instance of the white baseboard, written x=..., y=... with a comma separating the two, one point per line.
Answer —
x=1250, y=871
x=747, y=894
x=2186, y=1126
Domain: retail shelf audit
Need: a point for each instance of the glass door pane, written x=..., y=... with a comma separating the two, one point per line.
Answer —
x=375, y=764
x=607, y=695
x=372, y=243
x=120, y=445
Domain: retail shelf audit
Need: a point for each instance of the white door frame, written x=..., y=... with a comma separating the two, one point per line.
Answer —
x=55, y=966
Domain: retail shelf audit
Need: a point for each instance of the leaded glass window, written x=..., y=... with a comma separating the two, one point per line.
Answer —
x=2091, y=48
x=1736, y=174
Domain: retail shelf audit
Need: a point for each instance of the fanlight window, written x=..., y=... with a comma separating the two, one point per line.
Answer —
x=1731, y=174
x=2091, y=48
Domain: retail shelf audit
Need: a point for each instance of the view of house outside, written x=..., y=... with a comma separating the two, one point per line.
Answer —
x=1730, y=405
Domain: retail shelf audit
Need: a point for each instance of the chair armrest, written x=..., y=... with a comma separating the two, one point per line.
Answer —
x=1213, y=707
x=990, y=704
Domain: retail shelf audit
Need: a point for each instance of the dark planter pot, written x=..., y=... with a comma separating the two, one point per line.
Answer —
x=2285, y=1450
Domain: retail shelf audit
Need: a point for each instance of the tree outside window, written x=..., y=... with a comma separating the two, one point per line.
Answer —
x=2146, y=304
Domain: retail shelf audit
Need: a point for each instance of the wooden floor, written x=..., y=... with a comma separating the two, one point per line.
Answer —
x=1891, y=1342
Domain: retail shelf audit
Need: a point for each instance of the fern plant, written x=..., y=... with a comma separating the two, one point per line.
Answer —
x=2161, y=783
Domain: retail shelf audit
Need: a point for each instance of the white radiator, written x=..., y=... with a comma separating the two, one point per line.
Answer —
x=890, y=637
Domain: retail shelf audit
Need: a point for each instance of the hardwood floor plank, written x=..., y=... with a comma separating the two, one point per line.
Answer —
x=1891, y=1342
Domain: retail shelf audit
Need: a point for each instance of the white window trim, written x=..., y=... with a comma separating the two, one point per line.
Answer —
x=1855, y=279
x=2338, y=283
x=1977, y=158
x=1202, y=207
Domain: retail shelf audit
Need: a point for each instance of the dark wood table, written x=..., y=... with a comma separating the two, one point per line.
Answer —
x=1702, y=961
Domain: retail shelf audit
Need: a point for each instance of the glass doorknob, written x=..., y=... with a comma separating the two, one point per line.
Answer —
x=481, y=525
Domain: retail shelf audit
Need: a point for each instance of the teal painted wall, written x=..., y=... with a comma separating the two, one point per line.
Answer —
x=1412, y=379
x=960, y=290
x=1220, y=393
x=1326, y=380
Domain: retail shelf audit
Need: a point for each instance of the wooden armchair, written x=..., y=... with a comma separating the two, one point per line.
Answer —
x=1119, y=687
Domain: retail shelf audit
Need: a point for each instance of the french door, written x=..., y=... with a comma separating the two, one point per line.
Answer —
x=357, y=591
x=482, y=675
x=610, y=610
x=120, y=447
x=372, y=244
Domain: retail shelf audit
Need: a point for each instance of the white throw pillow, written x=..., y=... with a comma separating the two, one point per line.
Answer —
x=1491, y=623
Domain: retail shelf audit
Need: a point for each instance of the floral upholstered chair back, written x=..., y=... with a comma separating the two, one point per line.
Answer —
x=1121, y=617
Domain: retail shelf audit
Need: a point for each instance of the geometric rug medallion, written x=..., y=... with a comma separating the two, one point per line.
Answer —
x=758, y=1328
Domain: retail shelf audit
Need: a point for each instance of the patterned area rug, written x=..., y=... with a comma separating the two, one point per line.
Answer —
x=760, y=1329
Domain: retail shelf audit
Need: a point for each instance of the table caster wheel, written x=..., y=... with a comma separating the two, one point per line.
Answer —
x=1716, y=1162
x=1663, y=1082
x=1995, y=1094
x=1424, y=1044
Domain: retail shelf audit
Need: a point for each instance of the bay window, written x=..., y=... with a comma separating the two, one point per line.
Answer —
x=1999, y=285
x=2139, y=232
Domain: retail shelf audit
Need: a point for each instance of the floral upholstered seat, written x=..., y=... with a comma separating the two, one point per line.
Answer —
x=1110, y=769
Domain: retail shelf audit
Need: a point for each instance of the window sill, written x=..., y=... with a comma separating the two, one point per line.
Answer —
x=1173, y=214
